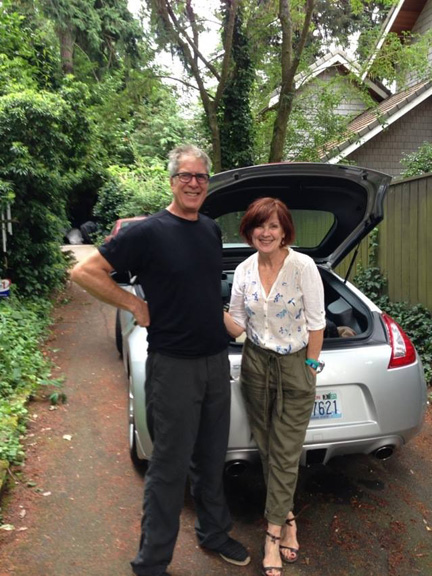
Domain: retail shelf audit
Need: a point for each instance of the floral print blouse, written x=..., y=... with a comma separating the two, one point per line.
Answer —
x=281, y=320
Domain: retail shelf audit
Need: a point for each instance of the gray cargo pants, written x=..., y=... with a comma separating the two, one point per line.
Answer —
x=188, y=414
x=279, y=392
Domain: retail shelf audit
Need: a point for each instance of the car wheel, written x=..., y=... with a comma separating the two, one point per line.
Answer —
x=118, y=334
x=140, y=465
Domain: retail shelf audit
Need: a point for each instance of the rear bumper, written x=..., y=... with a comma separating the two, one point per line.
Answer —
x=382, y=447
x=237, y=460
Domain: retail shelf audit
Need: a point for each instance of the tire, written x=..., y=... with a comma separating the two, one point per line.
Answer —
x=118, y=334
x=139, y=465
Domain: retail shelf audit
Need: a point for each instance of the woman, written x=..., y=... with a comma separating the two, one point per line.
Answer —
x=278, y=299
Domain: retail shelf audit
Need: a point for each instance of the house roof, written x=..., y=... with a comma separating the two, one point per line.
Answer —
x=401, y=18
x=406, y=15
x=375, y=120
x=340, y=60
x=334, y=58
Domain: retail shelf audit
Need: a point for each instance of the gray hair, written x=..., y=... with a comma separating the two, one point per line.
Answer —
x=175, y=156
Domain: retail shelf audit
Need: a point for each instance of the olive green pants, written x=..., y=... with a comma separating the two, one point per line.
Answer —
x=279, y=393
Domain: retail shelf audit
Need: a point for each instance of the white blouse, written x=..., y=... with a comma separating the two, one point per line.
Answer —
x=281, y=320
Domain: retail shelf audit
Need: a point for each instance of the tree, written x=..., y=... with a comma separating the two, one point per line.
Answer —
x=289, y=36
x=42, y=139
x=404, y=59
x=235, y=116
x=126, y=113
x=101, y=31
x=180, y=29
x=286, y=36
x=293, y=44
x=28, y=57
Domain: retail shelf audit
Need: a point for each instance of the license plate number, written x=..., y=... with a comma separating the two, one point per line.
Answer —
x=327, y=405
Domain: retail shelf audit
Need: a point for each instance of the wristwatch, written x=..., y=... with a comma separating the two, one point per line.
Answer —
x=315, y=364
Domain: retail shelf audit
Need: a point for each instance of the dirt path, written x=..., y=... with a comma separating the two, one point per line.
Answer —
x=76, y=507
x=83, y=512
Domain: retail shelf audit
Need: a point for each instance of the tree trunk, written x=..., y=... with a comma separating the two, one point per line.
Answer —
x=186, y=40
x=216, y=141
x=290, y=60
x=67, y=42
x=280, y=127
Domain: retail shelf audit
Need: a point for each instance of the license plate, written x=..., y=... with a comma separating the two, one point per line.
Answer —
x=327, y=405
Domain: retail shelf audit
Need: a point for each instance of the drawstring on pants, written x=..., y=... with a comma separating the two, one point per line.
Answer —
x=273, y=363
x=271, y=369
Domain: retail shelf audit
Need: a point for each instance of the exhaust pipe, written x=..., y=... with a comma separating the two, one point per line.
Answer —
x=236, y=468
x=384, y=452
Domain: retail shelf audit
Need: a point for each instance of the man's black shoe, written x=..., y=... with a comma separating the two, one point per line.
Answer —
x=233, y=552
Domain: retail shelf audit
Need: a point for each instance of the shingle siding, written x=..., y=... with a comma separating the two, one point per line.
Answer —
x=351, y=103
x=385, y=151
x=424, y=21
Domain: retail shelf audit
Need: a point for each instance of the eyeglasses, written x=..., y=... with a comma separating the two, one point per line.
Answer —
x=186, y=177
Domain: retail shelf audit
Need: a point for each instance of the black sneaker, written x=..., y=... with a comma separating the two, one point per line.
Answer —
x=233, y=552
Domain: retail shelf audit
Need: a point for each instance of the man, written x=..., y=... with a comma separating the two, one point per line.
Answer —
x=177, y=257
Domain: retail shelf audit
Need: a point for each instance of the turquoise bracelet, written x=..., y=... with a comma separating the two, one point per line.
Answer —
x=315, y=364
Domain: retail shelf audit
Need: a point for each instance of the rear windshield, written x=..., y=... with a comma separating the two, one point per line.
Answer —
x=311, y=227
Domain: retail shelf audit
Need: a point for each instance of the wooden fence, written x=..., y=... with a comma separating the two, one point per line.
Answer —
x=405, y=242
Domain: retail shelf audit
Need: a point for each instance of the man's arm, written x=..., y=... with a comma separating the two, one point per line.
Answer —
x=93, y=274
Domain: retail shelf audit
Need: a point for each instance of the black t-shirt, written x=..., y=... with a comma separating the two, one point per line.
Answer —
x=178, y=263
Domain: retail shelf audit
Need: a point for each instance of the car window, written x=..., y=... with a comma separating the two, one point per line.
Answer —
x=312, y=226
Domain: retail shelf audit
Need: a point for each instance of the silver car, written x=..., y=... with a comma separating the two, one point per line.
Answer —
x=371, y=396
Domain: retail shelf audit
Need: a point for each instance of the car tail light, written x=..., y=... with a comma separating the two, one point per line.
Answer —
x=402, y=349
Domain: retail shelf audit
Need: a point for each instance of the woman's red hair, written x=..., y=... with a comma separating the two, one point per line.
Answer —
x=260, y=211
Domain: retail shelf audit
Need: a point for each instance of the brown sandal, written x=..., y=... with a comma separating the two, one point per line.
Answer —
x=266, y=569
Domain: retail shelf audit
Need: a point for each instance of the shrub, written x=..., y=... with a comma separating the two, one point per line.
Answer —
x=42, y=140
x=416, y=320
x=419, y=162
x=132, y=192
x=23, y=367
